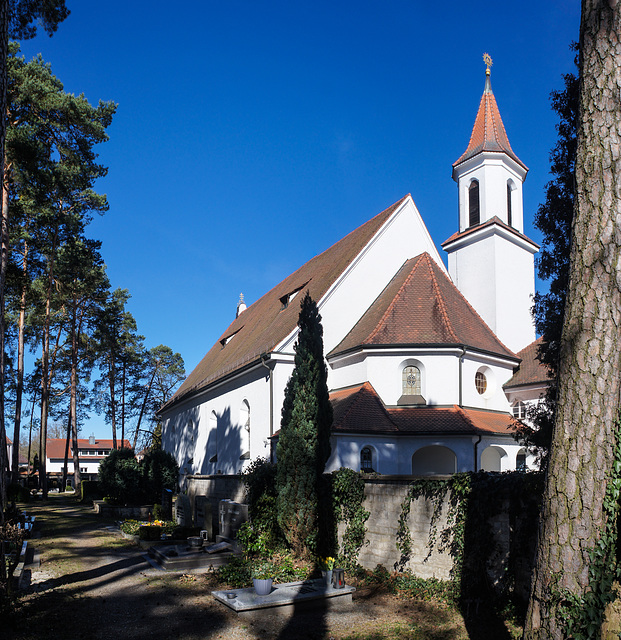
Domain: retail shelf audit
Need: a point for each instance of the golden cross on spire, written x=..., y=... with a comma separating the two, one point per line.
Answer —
x=488, y=61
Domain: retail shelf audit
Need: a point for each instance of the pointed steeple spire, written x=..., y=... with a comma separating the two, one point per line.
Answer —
x=488, y=133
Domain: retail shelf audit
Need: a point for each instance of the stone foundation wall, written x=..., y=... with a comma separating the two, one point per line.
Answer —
x=215, y=488
x=383, y=498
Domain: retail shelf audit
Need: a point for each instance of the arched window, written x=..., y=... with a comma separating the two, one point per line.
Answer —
x=434, y=460
x=491, y=458
x=509, y=205
x=244, y=418
x=213, y=437
x=520, y=460
x=191, y=430
x=366, y=459
x=410, y=381
x=474, y=208
x=519, y=410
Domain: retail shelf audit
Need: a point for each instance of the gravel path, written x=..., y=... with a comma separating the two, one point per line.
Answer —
x=93, y=584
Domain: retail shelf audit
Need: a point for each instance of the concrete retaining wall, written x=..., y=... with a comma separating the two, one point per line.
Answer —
x=383, y=498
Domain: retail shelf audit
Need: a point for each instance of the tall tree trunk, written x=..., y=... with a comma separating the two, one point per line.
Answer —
x=4, y=232
x=30, y=433
x=66, y=459
x=19, y=390
x=45, y=377
x=582, y=453
x=111, y=380
x=123, y=405
x=75, y=333
x=144, y=404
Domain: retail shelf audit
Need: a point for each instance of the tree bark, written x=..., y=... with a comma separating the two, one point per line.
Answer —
x=19, y=389
x=4, y=233
x=66, y=459
x=112, y=384
x=581, y=458
x=76, y=325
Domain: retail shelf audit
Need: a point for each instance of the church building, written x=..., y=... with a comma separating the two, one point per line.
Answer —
x=419, y=357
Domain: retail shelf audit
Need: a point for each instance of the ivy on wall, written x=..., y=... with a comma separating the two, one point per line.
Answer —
x=470, y=502
x=348, y=496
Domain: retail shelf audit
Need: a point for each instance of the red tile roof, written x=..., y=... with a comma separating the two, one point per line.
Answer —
x=488, y=133
x=359, y=409
x=421, y=306
x=531, y=370
x=56, y=446
x=488, y=223
x=265, y=323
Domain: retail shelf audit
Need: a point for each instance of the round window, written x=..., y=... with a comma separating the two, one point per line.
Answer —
x=480, y=382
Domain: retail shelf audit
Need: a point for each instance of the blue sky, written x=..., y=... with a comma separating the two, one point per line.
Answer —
x=251, y=136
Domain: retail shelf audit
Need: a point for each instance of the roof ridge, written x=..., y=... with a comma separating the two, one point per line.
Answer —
x=393, y=301
x=442, y=302
x=464, y=414
x=369, y=387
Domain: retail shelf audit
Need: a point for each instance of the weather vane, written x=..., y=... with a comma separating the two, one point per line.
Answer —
x=488, y=60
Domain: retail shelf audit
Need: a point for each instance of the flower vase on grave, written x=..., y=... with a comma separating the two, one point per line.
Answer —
x=327, y=576
x=262, y=587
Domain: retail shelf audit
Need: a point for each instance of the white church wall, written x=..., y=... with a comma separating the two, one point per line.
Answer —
x=215, y=425
x=402, y=237
x=496, y=374
x=439, y=375
x=347, y=371
x=496, y=276
x=515, y=288
x=394, y=455
x=473, y=270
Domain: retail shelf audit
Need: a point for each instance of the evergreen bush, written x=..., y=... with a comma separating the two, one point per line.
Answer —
x=89, y=490
x=119, y=477
x=158, y=470
x=304, y=443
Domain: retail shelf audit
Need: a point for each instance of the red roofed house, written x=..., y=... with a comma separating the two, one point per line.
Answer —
x=417, y=356
x=91, y=452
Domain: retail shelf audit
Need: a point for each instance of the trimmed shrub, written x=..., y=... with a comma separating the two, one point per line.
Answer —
x=90, y=490
x=158, y=470
x=119, y=477
x=17, y=493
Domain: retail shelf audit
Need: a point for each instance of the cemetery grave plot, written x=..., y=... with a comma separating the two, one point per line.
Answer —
x=287, y=597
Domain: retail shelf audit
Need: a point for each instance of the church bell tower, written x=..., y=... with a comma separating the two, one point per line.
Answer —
x=490, y=259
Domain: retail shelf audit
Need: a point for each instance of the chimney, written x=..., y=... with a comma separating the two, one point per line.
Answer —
x=91, y=439
x=241, y=305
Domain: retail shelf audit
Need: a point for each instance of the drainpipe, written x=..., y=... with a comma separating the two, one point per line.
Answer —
x=476, y=457
x=264, y=358
x=461, y=375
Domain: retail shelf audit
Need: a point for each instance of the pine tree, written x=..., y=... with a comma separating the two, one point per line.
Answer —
x=304, y=442
x=18, y=19
x=163, y=371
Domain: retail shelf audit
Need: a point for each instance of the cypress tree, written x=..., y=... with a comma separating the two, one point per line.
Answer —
x=304, y=442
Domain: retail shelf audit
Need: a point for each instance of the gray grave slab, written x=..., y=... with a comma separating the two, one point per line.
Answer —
x=215, y=548
x=183, y=511
x=181, y=557
x=203, y=518
x=166, y=504
x=286, y=598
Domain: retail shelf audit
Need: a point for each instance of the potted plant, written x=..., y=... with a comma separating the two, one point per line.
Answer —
x=262, y=578
x=326, y=565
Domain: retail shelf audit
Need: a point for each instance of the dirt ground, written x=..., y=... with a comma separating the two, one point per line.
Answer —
x=94, y=584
